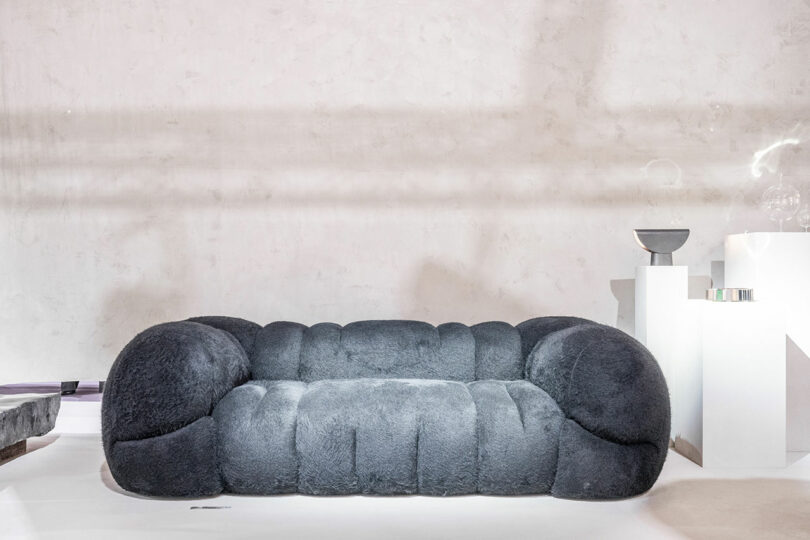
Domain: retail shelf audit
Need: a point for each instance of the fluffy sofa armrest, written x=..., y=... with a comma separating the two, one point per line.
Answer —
x=613, y=394
x=159, y=437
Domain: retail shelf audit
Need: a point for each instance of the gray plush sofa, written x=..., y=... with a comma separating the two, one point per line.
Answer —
x=555, y=405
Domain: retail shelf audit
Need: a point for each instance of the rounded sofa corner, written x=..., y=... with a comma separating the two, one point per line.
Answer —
x=157, y=433
x=615, y=398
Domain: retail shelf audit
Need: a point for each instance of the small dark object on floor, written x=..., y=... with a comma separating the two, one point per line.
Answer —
x=15, y=450
x=100, y=387
x=69, y=387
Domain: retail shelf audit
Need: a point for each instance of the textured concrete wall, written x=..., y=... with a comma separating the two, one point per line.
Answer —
x=338, y=161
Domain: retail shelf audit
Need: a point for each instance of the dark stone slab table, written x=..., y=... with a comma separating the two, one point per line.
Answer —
x=23, y=416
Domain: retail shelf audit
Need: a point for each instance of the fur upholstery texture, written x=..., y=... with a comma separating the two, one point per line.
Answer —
x=160, y=392
x=556, y=405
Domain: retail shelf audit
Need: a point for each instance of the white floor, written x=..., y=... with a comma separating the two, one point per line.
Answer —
x=62, y=488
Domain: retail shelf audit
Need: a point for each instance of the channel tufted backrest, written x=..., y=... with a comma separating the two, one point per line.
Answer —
x=387, y=349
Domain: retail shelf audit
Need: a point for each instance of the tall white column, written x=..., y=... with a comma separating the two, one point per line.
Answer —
x=663, y=325
x=777, y=266
x=744, y=393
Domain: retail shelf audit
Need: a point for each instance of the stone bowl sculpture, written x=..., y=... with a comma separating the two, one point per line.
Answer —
x=661, y=243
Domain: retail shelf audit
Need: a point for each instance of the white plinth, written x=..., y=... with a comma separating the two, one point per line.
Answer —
x=724, y=364
x=744, y=392
x=777, y=267
x=660, y=295
x=686, y=383
x=667, y=325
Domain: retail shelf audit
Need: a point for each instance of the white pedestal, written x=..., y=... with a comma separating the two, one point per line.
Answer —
x=744, y=392
x=724, y=364
x=660, y=295
x=667, y=325
x=777, y=267
x=686, y=384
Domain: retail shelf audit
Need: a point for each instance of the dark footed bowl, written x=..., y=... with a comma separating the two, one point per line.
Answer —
x=661, y=243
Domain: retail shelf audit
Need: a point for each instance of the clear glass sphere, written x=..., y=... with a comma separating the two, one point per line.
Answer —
x=803, y=217
x=780, y=202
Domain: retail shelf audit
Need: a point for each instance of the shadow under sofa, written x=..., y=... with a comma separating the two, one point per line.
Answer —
x=557, y=405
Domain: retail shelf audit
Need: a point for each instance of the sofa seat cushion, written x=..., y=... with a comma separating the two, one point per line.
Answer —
x=387, y=436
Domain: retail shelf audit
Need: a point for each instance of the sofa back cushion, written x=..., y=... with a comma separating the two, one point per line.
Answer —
x=387, y=349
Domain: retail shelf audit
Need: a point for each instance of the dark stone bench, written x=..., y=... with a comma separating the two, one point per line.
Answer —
x=23, y=416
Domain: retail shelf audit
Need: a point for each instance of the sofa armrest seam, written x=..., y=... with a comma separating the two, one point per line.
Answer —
x=154, y=435
x=559, y=438
x=564, y=397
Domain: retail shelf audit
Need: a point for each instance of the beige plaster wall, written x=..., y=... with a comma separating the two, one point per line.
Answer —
x=334, y=161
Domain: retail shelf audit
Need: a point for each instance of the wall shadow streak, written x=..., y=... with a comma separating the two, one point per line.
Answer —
x=442, y=294
x=103, y=152
x=624, y=291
